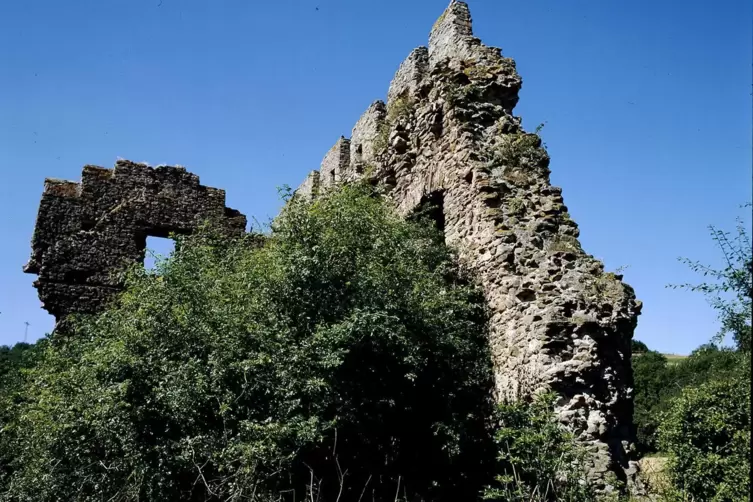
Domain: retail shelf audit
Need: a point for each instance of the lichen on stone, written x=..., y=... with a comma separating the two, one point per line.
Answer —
x=564, y=244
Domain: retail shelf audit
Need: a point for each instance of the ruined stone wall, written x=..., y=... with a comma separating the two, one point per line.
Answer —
x=447, y=134
x=87, y=233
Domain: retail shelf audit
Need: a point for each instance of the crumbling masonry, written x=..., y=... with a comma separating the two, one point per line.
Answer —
x=447, y=136
x=88, y=233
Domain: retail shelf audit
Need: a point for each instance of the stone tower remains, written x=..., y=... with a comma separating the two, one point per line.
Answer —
x=446, y=136
x=87, y=233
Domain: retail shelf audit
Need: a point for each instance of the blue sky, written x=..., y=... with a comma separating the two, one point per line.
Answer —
x=647, y=107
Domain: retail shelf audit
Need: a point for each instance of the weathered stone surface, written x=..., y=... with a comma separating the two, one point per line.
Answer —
x=87, y=233
x=558, y=320
x=452, y=35
x=410, y=75
x=364, y=136
x=335, y=163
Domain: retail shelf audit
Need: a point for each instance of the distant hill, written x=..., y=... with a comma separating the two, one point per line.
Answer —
x=671, y=358
x=674, y=358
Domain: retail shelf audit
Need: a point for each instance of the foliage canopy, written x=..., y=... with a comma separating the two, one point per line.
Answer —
x=343, y=353
x=707, y=435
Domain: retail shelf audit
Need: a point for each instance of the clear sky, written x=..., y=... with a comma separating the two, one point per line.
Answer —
x=647, y=107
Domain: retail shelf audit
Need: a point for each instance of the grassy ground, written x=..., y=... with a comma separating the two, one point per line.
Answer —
x=652, y=472
x=674, y=358
x=671, y=358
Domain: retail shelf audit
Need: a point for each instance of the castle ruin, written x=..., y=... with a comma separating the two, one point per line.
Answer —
x=446, y=136
x=88, y=233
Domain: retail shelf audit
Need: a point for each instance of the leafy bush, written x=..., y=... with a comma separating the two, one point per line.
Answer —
x=513, y=157
x=707, y=428
x=707, y=435
x=381, y=140
x=342, y=356
x=658, y=383
x=15, y=361
x=652, y=388
x=538, y=459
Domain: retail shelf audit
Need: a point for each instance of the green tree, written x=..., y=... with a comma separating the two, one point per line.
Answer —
x=15, y=361
x=17, y=358
x=658, y=383
x=341, y=356
x=706, y=431
x=652, y=379
x=707, y=435
x=730, y=288
x=707, y=362
x=638, y=347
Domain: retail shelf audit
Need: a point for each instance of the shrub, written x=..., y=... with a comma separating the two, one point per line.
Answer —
x=399, y=108
x=516, y=153
x=15, y=362
x=658, y=383
x=707, y=435
x=606, y=286
x=382, y=138
x=16, y=358
x=343, y=352
x=457, y=94
x=653, y=384
x=538, y=459
x=565, y=244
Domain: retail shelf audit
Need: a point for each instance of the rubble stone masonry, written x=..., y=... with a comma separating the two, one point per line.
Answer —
x=559, y=322
x=88, y=233
x=446, y=136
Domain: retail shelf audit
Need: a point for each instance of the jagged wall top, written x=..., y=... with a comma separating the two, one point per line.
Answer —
x=447, y=138
x=451, y=44
x=452, y=34
x=410, y=74
x=86, y=233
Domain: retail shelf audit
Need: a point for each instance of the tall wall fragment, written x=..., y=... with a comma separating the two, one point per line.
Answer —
x=558, y=320
x=87, y=233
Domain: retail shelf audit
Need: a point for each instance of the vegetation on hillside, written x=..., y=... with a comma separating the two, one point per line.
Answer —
x=697, y=411
x=658, y=383
x=706, y=434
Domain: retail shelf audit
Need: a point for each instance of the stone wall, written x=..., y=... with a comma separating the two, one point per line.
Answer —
x=558, y=320
x=446, y=136
x=87, y=233
x=335, y=163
